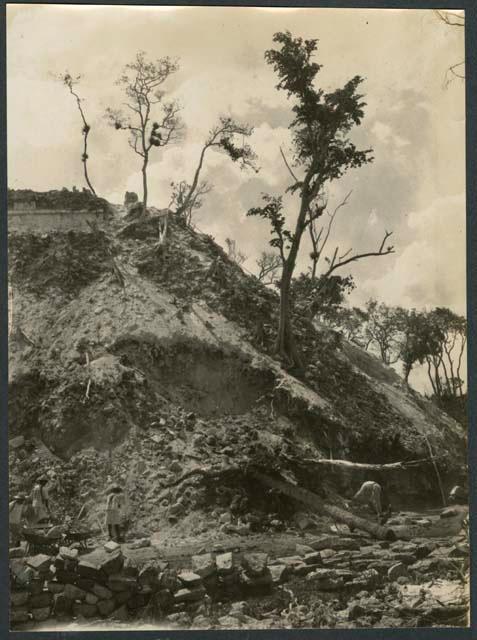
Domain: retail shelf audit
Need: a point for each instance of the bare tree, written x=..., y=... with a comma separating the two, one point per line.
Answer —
x=318, y=284
x=453, y=19
x=233, y=252
x=142, y=82
x=227, y=136
x=185, y=205
x=70, y=82
x=319, y=235
x=338, y=260
x=269, y=264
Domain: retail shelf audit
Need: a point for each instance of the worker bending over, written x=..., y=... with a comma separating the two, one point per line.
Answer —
x=372, y=496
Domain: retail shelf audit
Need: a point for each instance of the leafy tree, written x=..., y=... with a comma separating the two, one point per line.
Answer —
x=322, y=152
x=419, y=339
x=142, y=81
x=445, y=362
x=384, y=328
x=227, y=136
x=70, y=82
x=351, y=322
x=325, y=293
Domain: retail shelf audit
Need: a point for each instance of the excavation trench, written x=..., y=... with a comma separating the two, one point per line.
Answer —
x=210, y=381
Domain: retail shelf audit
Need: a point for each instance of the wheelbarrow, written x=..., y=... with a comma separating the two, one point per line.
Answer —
x=72, y=536
x=39, y=542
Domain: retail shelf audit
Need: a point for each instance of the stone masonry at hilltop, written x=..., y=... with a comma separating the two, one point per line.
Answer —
x=57, y=210
x=47, y=220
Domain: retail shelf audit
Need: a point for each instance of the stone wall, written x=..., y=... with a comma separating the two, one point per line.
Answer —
x=132, y=581
x=107, y=584
x=41, y=221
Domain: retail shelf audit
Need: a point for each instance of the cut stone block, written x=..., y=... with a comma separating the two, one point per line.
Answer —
x=204, y=564
x=189, y=579
x=40, y=562
x=225, y=563
x=255, y=564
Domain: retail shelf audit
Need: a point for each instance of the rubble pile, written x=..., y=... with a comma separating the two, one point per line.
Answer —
x=63, y=264
x=193, y=267
x=166, y=448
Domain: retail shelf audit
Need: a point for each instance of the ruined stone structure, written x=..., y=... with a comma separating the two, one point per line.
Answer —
x=24, y=218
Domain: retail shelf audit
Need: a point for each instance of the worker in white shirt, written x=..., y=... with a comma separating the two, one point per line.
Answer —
x=16, y=517
x=115, y=513
x=41, y=501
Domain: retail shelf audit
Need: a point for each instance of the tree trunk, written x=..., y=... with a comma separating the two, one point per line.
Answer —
x=362, y=466
x=193, y=186
x=286, y=346
x=462, y=347
x=437, y=377
x=338, y=514
x=144, y=184
x=85, y=158
x=436, y=469
x=313, y=269
x=442, y=528
x=429, y=373
x=447, y=379
x=451, y=367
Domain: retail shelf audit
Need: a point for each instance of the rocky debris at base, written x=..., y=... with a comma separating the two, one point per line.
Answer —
x=220, y=589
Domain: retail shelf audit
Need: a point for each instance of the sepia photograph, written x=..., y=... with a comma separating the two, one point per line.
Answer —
x=237, y=327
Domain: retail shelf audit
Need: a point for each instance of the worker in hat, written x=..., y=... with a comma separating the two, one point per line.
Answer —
x=114, y=513
x=16, y=517
x=41, y=501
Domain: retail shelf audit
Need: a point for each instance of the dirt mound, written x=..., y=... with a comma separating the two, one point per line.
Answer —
x=157, y=359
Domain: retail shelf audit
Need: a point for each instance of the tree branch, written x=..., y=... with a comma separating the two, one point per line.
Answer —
x=288, y=167
x=341, y=263
x=446, y=16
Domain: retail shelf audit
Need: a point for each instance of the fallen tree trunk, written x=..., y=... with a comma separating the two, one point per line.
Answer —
x=347, y=465
x=364, y=466
x=442, y=528
x=210, y=473
x=312, y=500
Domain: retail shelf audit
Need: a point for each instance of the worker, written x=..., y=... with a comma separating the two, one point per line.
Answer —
x=41, y=501
x=458, y=495
x=114, y=513
x=16, y=514
x=369, y=495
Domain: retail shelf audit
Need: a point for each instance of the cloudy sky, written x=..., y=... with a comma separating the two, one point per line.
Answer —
x=414, y=123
